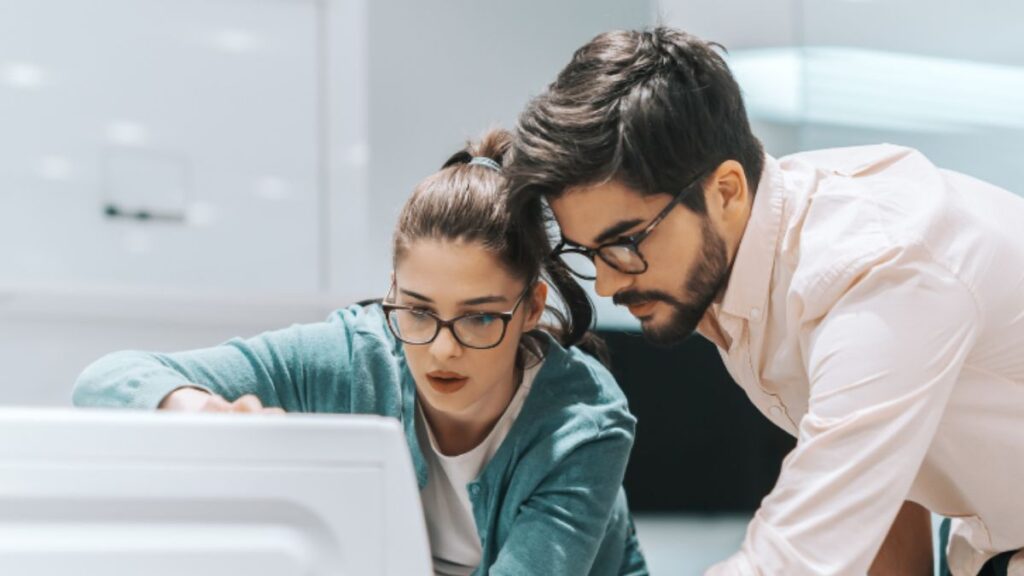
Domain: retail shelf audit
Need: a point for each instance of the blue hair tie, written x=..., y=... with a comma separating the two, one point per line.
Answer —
x=485, y=161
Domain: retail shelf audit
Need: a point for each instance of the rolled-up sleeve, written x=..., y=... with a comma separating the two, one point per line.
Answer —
x=881, y=363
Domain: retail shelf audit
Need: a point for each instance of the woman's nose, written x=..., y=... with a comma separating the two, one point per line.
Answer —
x=445, y=345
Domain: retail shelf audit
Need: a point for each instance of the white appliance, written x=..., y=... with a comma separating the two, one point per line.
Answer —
x=97, y=492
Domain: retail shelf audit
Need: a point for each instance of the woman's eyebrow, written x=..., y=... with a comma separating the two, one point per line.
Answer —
x=470, y=302
x=415, y=295
x=483, y=300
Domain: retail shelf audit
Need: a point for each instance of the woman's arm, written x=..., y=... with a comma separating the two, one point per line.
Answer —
x=304, y=368
x=196, y=400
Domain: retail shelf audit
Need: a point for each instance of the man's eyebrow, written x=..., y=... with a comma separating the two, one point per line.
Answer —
x=616, y=230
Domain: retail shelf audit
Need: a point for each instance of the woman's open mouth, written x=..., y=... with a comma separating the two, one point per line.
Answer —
x=446, y=382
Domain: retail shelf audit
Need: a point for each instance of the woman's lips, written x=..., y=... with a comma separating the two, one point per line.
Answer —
x=446, y=382
x=642, y=309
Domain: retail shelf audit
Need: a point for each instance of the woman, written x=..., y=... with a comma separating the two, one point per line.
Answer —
x=519, y=440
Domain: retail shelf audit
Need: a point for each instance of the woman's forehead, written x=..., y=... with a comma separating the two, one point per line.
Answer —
x=453, y=271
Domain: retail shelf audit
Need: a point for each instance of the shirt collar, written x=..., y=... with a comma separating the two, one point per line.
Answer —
x=746, y=294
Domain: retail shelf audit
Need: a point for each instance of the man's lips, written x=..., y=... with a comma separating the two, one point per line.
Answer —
x=641, y=303
x=641, y=309
x=446, y=382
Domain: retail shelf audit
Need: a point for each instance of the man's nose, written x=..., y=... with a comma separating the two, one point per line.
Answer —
x=609, y=281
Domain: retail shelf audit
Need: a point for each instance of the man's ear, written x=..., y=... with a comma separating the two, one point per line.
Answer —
x=538, y=297
x=728, y=195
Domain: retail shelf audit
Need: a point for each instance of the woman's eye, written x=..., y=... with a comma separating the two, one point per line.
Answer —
x=420, y=313
x=484, y=319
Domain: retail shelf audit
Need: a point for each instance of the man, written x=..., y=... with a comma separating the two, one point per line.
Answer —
x=869, y=303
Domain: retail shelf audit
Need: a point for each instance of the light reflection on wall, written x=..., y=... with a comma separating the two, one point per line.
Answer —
x=881, y=90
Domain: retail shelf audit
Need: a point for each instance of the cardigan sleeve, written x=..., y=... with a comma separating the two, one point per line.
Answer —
x=342, y=365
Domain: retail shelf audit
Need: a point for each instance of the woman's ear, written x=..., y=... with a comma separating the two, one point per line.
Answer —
x=538, y=297
x=391, y=288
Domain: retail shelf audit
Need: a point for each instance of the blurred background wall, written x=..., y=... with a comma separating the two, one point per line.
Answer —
x=174, y=173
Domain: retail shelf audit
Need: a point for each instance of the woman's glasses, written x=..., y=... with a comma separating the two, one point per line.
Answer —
x=479, y=330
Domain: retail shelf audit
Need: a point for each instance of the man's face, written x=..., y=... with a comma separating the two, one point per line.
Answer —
x=688, y=260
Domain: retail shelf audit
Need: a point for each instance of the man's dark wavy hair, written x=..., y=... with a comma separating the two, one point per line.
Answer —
x=652, y=109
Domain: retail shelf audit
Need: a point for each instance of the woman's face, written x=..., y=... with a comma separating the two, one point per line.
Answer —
x=449, y=279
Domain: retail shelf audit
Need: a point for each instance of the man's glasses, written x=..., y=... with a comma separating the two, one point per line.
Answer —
x=622, y=254
x=479, y=330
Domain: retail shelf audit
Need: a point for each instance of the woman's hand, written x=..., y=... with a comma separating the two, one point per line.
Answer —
x=196, y=400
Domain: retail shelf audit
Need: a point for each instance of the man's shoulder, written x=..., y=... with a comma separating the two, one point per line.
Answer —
x=848, y=201
x=854, y=161
x=852, y=198
x=852, y=209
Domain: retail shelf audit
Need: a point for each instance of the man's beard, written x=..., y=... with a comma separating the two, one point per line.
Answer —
x=704, y=284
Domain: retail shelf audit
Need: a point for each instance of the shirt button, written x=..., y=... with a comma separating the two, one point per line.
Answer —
x=755, y=314
x=775, y=411
x=474, y=490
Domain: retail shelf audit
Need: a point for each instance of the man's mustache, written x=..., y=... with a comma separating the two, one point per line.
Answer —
x=641, y=297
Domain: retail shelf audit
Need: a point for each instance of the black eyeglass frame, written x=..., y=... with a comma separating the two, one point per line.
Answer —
x=630, y=243
x=440, y=323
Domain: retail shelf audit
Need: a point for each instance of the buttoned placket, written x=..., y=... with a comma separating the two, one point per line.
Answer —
x=477, y=493
x=738, y=331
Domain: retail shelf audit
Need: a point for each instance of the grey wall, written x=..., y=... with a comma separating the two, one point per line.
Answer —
x=287, y=133
x=441, y=72
x=203, y=109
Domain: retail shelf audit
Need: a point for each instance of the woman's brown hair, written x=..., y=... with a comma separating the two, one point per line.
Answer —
x=467, y=201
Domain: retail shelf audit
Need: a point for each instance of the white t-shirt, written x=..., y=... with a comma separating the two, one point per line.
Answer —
x=454, y=542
